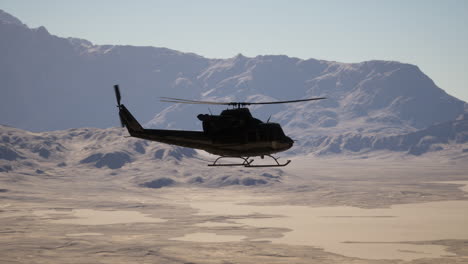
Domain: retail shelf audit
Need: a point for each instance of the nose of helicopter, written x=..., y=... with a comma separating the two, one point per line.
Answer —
x=290, y=142
x=287, y=143
x=283, y=144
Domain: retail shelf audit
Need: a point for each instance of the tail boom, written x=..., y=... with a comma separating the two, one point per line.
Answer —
x=129, y=121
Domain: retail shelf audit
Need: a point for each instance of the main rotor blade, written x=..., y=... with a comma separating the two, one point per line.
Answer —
x=192, y=102
x=285, y=102
x=178, y=99
x=186, y=101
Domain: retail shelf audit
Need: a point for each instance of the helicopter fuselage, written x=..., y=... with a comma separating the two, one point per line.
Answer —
x=234, y=133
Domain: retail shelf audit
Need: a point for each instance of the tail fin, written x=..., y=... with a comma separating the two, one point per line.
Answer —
x=126, y=118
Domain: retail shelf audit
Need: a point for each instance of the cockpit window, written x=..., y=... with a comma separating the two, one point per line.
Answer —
x=270, y=131
x=280, y=132
x=276, y=131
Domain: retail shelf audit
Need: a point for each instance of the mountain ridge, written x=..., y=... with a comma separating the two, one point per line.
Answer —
x=85, y=150
x=54, y=83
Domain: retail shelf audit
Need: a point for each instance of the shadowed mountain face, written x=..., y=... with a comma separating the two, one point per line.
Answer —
x=51, y=83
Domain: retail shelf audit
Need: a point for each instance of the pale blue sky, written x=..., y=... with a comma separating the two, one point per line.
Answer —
x=430, y=34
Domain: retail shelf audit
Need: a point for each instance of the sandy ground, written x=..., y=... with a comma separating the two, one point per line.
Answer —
x=74, y=217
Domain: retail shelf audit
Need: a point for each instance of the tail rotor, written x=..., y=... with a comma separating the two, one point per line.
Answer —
x=117, y=94
x=118, y=97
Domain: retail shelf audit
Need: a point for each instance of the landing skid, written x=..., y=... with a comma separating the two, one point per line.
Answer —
x=245, y=163
x=248, y=163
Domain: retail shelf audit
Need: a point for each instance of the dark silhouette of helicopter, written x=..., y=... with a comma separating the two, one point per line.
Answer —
x=235, y=133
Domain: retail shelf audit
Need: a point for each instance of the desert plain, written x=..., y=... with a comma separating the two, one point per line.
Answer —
x=321, y=210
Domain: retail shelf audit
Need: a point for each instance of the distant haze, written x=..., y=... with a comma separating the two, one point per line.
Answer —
x=56, y=83
x=52, y=83
x=430, y=34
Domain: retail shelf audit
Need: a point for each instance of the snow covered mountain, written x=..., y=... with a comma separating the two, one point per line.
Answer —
x=51, y=83
x=451, y=135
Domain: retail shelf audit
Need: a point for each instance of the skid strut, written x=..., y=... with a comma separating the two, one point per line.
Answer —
x=245, y=163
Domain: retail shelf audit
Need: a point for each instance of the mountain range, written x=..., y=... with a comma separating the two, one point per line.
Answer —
x=54, y=83
x=107, y=152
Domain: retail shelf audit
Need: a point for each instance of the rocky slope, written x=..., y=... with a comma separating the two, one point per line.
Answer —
x=434, y=138
x=104, y=152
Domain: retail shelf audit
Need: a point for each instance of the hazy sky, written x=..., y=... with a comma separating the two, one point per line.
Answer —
x=430, y=34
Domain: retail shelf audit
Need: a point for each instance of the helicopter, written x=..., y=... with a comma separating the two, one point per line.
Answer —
x=235, y=133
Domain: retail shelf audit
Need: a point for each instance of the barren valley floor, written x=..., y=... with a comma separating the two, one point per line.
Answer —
x=323, y=211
